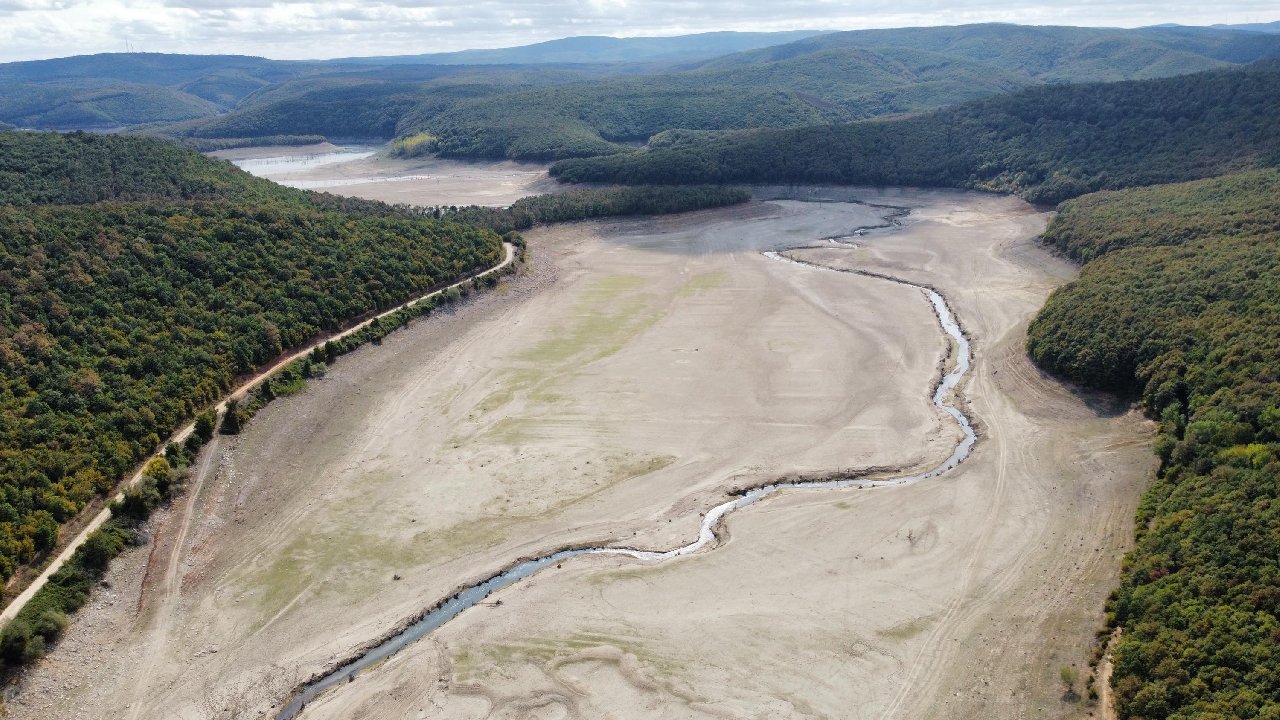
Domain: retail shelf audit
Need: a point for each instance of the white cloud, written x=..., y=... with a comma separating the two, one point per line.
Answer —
x=308, y=29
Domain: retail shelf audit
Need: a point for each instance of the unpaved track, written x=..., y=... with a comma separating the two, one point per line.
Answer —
x=677, y=362
x=11, y=610
x=162, y=597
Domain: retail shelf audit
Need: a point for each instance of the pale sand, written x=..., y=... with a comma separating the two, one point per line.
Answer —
x=417, y=181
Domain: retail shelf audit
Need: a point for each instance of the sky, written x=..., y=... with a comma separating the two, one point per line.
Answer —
x=301, y=29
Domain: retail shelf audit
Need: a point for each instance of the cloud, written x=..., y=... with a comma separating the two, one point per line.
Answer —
x=310, y=29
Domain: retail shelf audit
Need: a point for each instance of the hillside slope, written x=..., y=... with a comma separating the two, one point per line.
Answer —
x=590, y=49
x=160, y=277
x=1047, y=143
x=1178, y=306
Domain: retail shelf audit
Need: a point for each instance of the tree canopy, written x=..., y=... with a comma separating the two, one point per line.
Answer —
x=1179, y=304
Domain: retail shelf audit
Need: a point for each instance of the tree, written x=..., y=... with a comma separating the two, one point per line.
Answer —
x=231, y=418
x=205, y=424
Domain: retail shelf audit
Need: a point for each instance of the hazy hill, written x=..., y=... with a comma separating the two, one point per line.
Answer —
x=549, y=111
x=124, y=89
x=598, y=49
x=1046, y=53
x=1271, y=27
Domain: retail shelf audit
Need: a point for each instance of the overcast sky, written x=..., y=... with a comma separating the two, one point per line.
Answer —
x=299, y=29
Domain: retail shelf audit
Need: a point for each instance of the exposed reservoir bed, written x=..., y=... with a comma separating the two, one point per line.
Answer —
x=637, y=373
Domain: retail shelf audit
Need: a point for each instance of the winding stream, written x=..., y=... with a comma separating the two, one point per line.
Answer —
x=453, y=606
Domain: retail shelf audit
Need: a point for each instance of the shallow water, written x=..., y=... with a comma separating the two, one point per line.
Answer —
x=277, y=165
x=348, y=181
x=474, y=594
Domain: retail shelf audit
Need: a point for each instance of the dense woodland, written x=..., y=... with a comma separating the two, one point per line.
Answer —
x=1179, y=304
x=584, y=204
x=119, y=320
x=79, y=168
x=1047, y=143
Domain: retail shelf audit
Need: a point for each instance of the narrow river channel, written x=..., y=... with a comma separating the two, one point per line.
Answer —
x=453, y=606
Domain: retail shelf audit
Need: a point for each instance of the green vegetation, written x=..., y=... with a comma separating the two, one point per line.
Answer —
x=121, y=320
x=587, y=120
x=585, y=111
x=42, y=620
x=1243, y=204
x=97, y=104
x=214, y=144
x=590, y=203
x=1047, y=143
x=1179, y=304
x=79, y=168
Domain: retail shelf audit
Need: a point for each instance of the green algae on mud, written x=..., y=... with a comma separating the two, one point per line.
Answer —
x=609, y=313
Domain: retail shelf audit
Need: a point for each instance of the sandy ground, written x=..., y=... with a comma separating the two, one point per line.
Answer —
x=632, y=374
x=417, y=181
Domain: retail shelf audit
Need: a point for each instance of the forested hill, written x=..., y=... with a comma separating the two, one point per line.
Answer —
x=1244, y=204
x=80, y=168
x=1047, y=143
x=120, y=320
x=77, y=168
x=1180, y=305
x=598, y=49
x=840, y=77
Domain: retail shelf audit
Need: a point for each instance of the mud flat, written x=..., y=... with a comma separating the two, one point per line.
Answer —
x=362, y=171
x=617, y=389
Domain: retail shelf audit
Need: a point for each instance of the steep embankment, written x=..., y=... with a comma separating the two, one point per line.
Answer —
x=1178, y=304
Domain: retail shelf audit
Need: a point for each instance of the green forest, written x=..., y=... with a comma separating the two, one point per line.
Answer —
x=80, y=168
x=588, y=203
x=1046, y=143
x=1179, y=304
x=120, y=320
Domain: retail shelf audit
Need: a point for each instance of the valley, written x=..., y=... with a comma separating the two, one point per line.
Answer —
x=757, y=372
x=540, y=416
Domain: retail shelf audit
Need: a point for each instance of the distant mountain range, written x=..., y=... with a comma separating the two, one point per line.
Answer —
x=588, y=96
x=1271, y=27
x=593, y=49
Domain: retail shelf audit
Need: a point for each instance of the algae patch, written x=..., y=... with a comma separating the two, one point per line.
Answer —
x=609, y=313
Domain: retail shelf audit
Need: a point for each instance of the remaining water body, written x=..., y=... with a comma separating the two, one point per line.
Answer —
x=347, y=182
x=270, y=167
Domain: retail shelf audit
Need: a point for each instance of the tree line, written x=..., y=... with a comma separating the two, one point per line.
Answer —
x=1178, y=304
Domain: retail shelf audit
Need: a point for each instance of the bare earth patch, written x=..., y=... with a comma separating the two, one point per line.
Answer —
x=628, y=378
